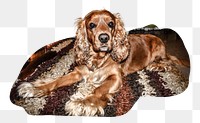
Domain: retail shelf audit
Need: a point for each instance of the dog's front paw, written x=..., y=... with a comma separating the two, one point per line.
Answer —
x=26, y=90
x=91, y=106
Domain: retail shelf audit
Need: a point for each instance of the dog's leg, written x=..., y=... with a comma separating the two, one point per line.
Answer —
x=94, y=104
x=33, y=89
x=102, y=95
x=160, y=64
x=109, y=79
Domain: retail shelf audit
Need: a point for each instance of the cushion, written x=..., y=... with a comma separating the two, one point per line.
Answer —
x=57, y=59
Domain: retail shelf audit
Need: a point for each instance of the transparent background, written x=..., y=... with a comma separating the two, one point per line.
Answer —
x=27, y=25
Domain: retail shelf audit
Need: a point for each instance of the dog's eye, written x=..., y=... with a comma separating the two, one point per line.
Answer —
x=92, y=25
x=111, y=24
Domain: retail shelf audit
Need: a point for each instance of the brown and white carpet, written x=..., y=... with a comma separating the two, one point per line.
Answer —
x=56, y=60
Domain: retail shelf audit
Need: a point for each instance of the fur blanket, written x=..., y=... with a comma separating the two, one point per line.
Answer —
x=57, y=59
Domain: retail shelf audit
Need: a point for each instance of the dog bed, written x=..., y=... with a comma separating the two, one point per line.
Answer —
x=57, y=59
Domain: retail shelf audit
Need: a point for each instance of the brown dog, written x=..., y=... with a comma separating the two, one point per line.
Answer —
x=104, y=54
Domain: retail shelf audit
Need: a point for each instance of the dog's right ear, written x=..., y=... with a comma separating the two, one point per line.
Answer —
x=81, y=46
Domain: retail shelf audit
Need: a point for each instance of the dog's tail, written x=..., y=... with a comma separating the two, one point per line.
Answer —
x=177, y=61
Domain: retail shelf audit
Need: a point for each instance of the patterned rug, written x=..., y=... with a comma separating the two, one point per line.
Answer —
x=56, y=60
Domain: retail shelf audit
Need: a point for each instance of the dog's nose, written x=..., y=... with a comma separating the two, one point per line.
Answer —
x=103, y=38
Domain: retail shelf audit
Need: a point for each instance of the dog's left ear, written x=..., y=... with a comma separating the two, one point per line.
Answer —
x=121, y=45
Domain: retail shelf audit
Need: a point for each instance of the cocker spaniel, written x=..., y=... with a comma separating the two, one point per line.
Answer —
x=104, y=54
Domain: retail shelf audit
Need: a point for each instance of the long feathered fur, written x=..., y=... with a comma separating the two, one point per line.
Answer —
x=81, y=46
x=121, y=45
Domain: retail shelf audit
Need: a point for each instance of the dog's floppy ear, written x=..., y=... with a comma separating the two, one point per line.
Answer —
x=120, y=42
x=81, y=46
